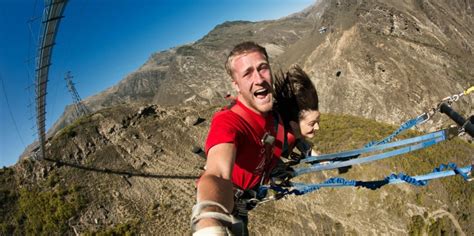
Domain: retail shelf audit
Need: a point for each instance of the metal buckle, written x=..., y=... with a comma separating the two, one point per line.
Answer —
x=267, y=139
x=452, y=131
x=238, y=193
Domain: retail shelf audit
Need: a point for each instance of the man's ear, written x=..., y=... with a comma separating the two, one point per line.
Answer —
x=236, y=86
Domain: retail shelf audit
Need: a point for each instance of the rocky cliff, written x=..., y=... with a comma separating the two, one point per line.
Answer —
x=130, y=165
x=381, y=60
x=132, y=170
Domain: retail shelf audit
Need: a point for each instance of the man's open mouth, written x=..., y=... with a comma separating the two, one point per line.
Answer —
x=261, y=93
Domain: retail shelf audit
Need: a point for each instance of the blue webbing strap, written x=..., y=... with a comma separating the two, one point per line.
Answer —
x=354, y=152
x=454, y=168
x=403, y=127
x=420, y=180
x=401, y=177
x=301, y=188
x=338, y=164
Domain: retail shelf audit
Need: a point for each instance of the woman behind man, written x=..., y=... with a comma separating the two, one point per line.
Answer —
x=297, y=104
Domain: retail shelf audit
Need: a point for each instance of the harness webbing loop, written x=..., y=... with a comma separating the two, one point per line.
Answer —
x=420, y=180
x=379, y=147
x=405, y=126
x=410, y=144
x=338, y=164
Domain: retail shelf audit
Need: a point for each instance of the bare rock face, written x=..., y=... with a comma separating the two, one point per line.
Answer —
x=130, y=164
x=387, y=61
x=134, y=160
x=135, y=168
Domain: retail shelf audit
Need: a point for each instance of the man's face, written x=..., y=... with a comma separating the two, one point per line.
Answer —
x=253, y=81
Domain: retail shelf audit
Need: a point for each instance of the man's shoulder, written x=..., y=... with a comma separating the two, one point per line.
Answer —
x=225, y=112
x=227, y=118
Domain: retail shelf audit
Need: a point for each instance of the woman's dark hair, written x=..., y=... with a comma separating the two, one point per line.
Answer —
x=294, y=94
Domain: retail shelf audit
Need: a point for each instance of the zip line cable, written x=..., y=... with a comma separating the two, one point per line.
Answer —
x=10, y=110
x=32, y=39
x=34, y=7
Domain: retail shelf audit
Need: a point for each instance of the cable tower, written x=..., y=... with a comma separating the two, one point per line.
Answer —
x=79, y=107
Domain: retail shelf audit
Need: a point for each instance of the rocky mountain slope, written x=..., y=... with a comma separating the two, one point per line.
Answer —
x=381, y=60
x=130, y=166
x=132, y=169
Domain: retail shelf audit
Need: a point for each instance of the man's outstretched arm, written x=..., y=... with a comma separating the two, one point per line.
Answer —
x=215, y=184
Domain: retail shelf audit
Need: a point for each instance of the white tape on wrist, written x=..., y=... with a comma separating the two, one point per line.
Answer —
x=197, y=213
x=214, y=231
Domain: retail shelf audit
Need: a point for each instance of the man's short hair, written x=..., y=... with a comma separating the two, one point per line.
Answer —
x=243, y=48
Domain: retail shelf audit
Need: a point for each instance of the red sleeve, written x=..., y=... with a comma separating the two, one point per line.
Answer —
x=223, y=130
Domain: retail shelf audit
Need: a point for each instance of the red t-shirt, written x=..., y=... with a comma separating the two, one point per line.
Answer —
x=229, y=127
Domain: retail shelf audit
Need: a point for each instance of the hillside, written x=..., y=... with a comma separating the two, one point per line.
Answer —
x=132, y=169
x=130, y=165
x=383, y=60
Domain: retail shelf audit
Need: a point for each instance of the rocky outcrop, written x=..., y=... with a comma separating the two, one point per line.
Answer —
x=134, y=168
x=135, y=158
x=387, y=61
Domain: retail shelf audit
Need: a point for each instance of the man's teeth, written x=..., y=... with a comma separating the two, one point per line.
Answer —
x=260, y=92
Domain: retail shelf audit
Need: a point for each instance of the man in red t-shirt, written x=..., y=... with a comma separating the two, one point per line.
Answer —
x=251, y=162
x=236, y=155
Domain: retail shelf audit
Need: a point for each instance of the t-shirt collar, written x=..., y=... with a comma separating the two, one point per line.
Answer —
x=259, y=118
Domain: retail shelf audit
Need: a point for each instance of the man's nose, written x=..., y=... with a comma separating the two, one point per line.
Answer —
x=258, y=77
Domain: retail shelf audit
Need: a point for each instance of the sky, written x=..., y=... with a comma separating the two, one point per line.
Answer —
x=100, y=42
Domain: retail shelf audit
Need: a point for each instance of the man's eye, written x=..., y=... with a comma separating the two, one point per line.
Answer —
x=263, y=67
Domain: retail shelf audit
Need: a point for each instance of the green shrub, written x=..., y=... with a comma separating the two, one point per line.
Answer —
x=69, y=130
x=417, y=226
x=7, y=229
x=47, y=212
x=441, y=226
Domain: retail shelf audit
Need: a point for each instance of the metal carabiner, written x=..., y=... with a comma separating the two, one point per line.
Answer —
x=426, y=116
x=455, y=97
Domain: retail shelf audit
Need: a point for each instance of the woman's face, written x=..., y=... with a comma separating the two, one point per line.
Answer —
x=308, y=124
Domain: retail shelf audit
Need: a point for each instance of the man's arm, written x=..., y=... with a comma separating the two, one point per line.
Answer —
x=215, y=184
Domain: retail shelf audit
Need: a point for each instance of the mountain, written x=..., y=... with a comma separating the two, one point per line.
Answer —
x=388, y=61
x=131, y=170
x=130, y=165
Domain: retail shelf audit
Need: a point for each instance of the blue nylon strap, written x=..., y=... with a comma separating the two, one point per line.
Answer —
x=406, y=178
x=338, y=164
x=332, y=156
x=440, y=173
x=300, y=189
x=420, y=180
x=403, y=127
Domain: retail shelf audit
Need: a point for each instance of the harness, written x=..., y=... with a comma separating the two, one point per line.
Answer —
x=245, y=200
x=349, y=158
